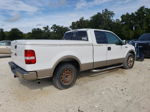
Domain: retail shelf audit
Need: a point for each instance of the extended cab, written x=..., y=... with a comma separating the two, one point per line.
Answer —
x=80, y=50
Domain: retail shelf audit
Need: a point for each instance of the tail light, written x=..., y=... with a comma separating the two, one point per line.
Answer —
x=30, y=57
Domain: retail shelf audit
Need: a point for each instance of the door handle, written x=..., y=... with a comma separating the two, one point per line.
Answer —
x=109, y=48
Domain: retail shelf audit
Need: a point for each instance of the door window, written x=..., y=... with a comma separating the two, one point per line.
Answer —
x=100, y=37
x=113, y=39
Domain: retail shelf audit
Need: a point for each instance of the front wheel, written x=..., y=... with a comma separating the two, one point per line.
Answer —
x=65, y=76
x=129, y=61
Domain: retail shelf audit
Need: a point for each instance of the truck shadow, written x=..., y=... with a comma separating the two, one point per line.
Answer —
x=37, y=84
x=43, y=83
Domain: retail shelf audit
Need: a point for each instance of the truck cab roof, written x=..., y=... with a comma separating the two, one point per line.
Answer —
x=86, y=29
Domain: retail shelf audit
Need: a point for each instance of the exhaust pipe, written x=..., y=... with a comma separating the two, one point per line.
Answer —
x=15, y=76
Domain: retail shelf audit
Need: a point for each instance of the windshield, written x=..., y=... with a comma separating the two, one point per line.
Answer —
x=145, y=37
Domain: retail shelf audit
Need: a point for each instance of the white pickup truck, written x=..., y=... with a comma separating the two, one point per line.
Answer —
x=80, y=50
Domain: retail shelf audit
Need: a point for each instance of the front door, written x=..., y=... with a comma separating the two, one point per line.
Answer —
x=114, y=48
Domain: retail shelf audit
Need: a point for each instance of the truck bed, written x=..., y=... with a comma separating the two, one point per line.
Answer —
x=48, y=51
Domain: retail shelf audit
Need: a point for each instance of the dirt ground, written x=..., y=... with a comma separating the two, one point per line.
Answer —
x=117, y=90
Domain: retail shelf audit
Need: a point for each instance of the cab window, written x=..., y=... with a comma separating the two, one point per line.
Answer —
x=79, y=35
x=68, y=36
x=100, y=37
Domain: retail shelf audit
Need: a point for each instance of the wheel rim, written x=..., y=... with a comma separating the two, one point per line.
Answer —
x=66, y=76
x=130, y=61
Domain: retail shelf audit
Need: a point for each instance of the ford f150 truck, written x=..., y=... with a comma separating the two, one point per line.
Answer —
x=80, y=50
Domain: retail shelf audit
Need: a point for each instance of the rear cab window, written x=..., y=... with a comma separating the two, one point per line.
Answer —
x=76, y=35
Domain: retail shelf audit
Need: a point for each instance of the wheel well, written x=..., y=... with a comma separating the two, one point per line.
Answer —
x=72, y=61
x=132, y=52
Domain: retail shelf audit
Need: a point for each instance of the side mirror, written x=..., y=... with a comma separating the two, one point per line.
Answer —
x=124, y=42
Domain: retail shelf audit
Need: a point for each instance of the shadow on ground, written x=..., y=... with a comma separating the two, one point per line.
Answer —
x=37, y=84
x=40, y=84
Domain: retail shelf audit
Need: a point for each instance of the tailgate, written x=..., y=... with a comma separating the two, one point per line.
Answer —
x=17, y=54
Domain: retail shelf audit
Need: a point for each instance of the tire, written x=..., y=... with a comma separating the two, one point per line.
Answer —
x=129, y=61
x=65, y=76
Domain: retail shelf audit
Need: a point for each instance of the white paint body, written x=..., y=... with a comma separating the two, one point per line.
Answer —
x=48, y=52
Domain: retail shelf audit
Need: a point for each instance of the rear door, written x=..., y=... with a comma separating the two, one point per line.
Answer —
x=115, y=52
x=100, y=49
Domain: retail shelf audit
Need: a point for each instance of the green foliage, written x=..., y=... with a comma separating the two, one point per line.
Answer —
x=15, y=34
x=82, y=23
x=136, y=23
x=102, y=20
x=36, y=33
x=58, y=31
x=129, y=26
x=2, y=35
x=55, y=32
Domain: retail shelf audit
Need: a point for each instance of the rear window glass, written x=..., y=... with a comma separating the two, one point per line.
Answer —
x=79, y=35
x=68, y=36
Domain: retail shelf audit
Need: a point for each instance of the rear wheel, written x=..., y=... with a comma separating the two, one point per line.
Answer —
x=129, y=61
x=65, y=76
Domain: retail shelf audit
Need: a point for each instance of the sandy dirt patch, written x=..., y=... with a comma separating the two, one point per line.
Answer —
x=116, y=90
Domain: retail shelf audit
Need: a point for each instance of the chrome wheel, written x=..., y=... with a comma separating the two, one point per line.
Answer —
x=130, y=61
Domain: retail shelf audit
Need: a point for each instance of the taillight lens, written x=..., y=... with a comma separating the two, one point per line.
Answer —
x=30, y=57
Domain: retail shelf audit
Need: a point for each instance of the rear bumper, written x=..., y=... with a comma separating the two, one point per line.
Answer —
x=19, y=72
x=33, y=75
